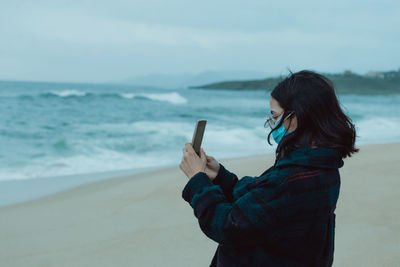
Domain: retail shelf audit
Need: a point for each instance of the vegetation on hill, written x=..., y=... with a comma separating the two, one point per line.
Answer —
x=344, y=83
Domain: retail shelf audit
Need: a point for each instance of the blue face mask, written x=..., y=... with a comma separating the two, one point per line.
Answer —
x=279, y=133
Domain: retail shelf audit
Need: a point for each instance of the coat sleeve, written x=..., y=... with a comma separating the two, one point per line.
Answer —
x=227, y=181
x=249, y=220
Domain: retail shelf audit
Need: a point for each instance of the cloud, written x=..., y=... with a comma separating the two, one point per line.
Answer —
x=63, y=40
x=101, y=31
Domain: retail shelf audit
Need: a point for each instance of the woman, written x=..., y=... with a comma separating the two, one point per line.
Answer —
x=285, y=216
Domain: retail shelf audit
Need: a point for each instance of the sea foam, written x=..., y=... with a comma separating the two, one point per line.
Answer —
x=68, y=93
x=173, y=98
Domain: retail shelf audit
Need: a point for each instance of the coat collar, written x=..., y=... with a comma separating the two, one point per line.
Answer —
x=313, y=157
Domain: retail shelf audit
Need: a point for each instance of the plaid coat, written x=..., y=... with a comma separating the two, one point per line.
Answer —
x=284, y=217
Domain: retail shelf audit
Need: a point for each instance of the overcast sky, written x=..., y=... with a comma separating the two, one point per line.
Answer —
x=97, y=41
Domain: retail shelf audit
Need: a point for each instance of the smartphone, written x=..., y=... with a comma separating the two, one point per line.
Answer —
x=198, y=135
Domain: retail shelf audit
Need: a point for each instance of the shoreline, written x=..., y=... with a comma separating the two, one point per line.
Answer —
x=142, y=220
x=20, y=191
x=23, y=190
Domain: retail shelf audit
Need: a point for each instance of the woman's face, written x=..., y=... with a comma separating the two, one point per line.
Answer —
x=277, y=112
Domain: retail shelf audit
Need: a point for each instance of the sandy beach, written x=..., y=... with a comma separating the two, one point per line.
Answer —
x=142, y=220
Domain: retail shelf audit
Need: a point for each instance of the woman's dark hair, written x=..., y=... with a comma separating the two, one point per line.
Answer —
x=312, y=98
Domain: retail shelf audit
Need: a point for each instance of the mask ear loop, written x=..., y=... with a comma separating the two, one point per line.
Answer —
x=288, y=116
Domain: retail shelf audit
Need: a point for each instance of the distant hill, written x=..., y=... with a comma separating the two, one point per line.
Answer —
x=344, y=83
x=183, y=80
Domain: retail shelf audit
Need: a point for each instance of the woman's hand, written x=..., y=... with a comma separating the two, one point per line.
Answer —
x=212, y=167
x=191, y=163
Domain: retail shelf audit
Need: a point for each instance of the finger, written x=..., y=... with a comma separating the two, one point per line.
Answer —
x=189, y=148
x=185, y=148
x=188, y=144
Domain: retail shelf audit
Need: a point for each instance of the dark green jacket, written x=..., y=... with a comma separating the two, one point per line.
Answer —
x=284, y=217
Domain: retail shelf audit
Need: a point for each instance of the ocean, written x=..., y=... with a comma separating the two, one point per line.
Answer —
x=63, y=129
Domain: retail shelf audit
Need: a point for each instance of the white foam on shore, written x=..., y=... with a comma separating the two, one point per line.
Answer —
x=141, y=144
x=378, y=130
x=146, y=144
